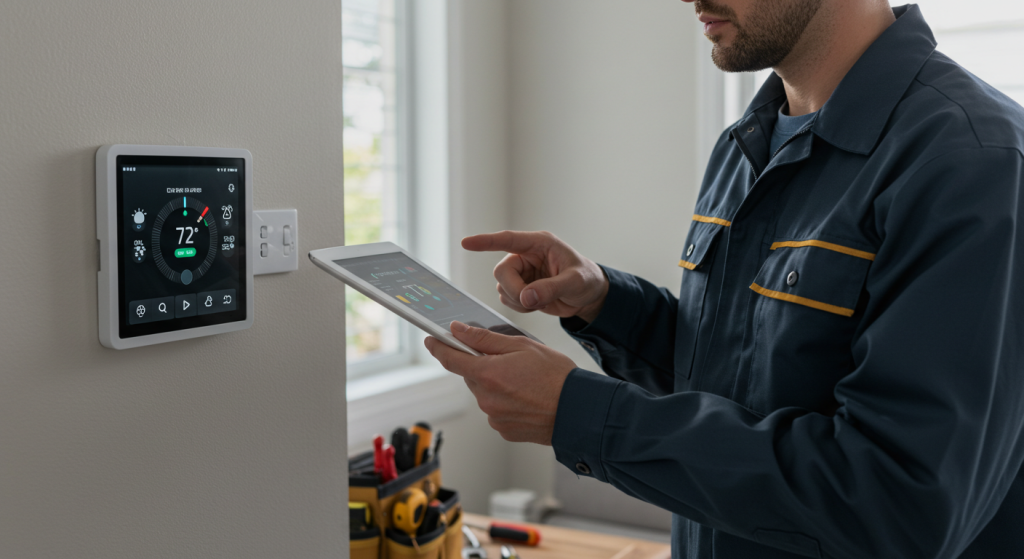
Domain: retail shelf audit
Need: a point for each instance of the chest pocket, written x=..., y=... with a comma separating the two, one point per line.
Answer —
x=698, y=254
x=805, y=321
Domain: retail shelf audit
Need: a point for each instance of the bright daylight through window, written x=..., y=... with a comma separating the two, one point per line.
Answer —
x=985, y=36
x=375, y=189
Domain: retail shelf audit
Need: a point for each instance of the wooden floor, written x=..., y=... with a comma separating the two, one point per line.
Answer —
x=566, y=543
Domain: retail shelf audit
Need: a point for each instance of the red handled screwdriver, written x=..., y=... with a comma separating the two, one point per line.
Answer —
x=513, y=533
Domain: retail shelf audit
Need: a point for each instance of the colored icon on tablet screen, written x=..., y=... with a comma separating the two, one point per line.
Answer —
x=403, y=299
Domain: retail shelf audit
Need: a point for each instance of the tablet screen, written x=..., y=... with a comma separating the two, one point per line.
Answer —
x=400, y=277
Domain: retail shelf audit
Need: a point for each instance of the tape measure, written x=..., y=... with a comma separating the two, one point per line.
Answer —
x=408, y=510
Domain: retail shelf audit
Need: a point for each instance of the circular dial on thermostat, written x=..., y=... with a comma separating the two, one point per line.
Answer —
x=184, y=239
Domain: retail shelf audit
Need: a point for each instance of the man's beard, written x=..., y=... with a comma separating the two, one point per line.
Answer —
x=767, y=36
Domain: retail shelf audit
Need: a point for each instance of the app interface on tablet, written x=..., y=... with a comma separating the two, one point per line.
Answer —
x=399, y=277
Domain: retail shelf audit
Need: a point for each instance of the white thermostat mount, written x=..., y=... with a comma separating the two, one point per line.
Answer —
x=174, y=227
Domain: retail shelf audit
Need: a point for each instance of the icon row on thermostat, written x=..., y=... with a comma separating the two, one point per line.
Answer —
x=182, y=306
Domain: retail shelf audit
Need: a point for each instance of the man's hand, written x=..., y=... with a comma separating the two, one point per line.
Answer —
x=542, y=273
x=517, y=383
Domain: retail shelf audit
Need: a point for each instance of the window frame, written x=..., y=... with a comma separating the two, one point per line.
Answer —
x=405, y=186
x=420, y=389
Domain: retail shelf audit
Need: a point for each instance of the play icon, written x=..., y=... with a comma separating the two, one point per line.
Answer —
x=184, y=305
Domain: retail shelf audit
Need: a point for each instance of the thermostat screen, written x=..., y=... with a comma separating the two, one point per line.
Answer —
x=181, y=239
x=398, y=276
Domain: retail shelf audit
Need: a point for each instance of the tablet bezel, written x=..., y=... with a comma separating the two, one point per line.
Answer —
x=324, y=258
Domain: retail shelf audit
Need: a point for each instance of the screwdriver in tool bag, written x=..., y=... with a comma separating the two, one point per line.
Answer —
x=389, y=472
x=378, y=455
x=405, y=449
x=423, y=442
x=514, y=533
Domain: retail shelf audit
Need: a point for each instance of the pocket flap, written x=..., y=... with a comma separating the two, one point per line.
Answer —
x=698, y=244
x=816, y=274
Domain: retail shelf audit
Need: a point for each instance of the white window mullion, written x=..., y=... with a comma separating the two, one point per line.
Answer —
x=377, y=109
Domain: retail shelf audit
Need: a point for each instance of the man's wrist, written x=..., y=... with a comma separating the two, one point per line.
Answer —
x=589, y=313
x=583, y=408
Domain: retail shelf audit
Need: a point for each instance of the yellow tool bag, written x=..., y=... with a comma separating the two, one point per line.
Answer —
x=384, y=541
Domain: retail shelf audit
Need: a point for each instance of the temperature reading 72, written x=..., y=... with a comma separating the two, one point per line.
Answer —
x=191, y=231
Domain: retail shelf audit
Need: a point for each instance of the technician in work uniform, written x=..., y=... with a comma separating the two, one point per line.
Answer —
x=842, y=375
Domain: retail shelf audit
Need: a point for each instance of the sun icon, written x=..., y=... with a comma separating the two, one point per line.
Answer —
x=138, y=219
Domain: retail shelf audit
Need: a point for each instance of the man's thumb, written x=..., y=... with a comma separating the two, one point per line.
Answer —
x=543, y=292
x=484, y=341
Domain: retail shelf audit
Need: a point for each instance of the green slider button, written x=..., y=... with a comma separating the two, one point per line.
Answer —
x=184, y=253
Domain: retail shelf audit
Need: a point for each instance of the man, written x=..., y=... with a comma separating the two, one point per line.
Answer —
x=842, y=374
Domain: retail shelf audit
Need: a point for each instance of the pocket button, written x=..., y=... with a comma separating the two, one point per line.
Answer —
x=792, y=278
x=689, y=251
x=583, y=468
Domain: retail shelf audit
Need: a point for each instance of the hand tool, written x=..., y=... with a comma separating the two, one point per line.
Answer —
x=408, y=511
x=431, y=519
x=389, y=471
x=508, y=552
x=473, y=550
x=405, y=448
x=359, y=518
x=437, y=443
x=378, y=455
x=422, y=430
x=515, y=533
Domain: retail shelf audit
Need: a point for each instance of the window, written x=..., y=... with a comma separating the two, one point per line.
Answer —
x=987, y=39
x=739, y=92
x=376, y=113
x=397, y=156
x=985, y=36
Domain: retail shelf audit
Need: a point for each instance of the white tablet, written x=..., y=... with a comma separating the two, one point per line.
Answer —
x=388, y=275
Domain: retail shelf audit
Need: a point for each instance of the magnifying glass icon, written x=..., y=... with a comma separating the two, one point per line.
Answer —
x=163, y=307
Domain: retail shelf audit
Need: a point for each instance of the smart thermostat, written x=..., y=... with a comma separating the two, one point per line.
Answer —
x=172, y=224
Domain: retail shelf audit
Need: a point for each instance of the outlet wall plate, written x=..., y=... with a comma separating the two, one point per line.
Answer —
x=275, y=241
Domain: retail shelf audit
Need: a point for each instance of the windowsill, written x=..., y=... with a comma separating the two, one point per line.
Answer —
x=380, y=403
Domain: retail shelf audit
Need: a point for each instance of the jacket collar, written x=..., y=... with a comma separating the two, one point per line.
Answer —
x=855, y=116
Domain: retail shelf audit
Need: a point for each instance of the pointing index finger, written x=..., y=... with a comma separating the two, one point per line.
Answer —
x=516, y=242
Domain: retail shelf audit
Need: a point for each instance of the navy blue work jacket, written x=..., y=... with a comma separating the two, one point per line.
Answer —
x=842, y=374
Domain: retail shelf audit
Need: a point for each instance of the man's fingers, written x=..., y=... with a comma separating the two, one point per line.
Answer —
x=543, y=292
x=453, y=360
x=513, y=304
x=485, y=341
x=516, y=242
x=509, y=277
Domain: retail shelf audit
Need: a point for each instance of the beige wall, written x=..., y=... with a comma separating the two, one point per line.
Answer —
x=226, y=446
x=602, y=100
x=475, y=458
x=575, y=116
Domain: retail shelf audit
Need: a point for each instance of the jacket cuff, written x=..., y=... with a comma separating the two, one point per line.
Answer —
x=604, y=334
x=579, y=422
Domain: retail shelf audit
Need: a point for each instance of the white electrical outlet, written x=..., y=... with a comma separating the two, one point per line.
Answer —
x=275, y=240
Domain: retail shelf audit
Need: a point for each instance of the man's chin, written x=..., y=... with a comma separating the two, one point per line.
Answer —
x=728, y=60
